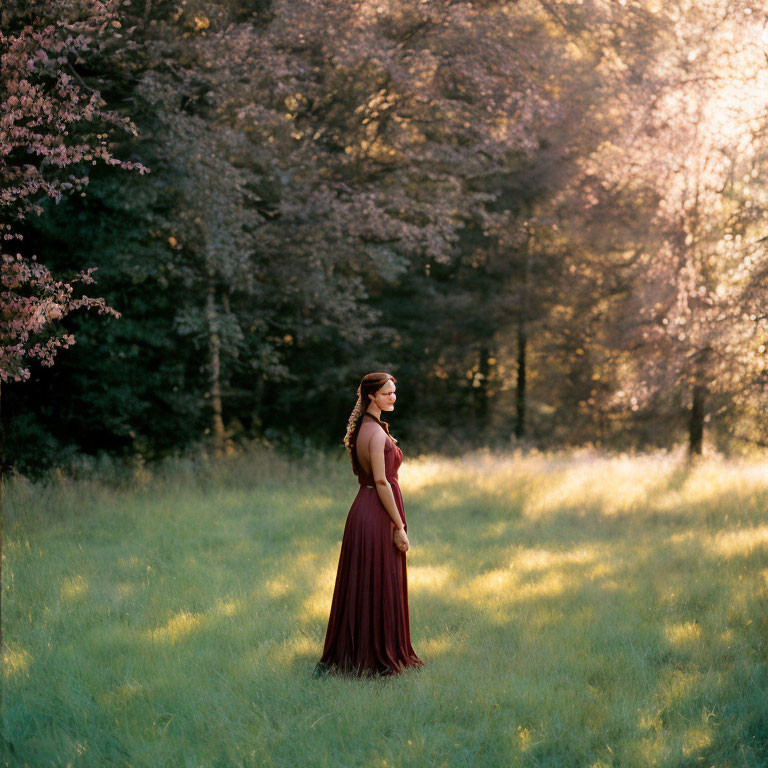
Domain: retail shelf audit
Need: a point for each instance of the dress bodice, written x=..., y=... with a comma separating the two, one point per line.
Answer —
x=393, y=458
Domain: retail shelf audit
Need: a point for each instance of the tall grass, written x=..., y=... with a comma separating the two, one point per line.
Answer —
x=571, y=610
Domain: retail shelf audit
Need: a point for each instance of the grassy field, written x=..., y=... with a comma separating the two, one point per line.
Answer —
x=571, y=610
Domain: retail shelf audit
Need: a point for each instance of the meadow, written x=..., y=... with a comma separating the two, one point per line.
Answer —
x=571, y=609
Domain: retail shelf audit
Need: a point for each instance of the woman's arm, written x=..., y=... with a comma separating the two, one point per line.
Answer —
x=383, y=488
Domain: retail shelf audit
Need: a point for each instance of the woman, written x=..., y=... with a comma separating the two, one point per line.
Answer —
x=368, y=630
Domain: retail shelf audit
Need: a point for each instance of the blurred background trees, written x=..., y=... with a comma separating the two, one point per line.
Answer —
x=546, y=220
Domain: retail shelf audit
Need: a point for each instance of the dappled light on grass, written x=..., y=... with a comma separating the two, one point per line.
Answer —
x=438, y=644
x=623, y=578
x=277, y=587
x=536, y=559
x=537, y=573
x=296, y=646
x=503, y=583
x=176, y=628
x=622, y=486
x=683, y=633
x=570, y=610
x=228, y=607
x=542, y=484
x=726, y=543
x=73, y=588
x=697, y=738
x=740, y=541
x=317, y=606
x=16, y=661
x=427, y=578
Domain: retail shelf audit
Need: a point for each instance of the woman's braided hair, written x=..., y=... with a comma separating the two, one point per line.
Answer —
x=370, y=384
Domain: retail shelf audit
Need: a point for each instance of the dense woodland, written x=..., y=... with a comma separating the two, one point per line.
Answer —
x=546, y=219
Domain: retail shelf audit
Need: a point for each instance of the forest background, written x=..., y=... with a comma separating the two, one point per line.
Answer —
x=546, y=219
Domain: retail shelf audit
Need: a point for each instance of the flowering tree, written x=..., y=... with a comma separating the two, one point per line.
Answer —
x=52, y=126
x=30, y=303
x=48, y=124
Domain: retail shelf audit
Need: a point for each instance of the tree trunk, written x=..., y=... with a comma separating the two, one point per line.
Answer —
x=696, y=422
x=481, y=391
x=522, y=342
x=214, y=346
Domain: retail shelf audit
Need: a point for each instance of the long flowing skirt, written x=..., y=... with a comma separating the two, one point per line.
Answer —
x=369, y=629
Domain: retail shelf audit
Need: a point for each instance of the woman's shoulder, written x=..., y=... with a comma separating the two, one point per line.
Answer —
x=373, y=427
x=380, y=435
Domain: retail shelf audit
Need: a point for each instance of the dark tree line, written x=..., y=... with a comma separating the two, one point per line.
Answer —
x=546, y=220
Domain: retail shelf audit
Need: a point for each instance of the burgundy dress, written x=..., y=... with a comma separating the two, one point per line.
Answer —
x=368, y=629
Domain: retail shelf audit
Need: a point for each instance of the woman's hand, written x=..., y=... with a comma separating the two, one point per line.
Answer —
x=400, y=539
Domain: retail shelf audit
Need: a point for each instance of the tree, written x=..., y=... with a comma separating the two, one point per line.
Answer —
x=50, y=129
x=671, y=212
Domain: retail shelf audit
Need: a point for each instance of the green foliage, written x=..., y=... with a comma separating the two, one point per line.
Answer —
x=487, y=202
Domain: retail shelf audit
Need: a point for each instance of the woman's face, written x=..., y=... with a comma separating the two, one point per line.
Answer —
x=385, y=397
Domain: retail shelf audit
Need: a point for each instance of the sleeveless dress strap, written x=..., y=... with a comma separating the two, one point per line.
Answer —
x=383, y=424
